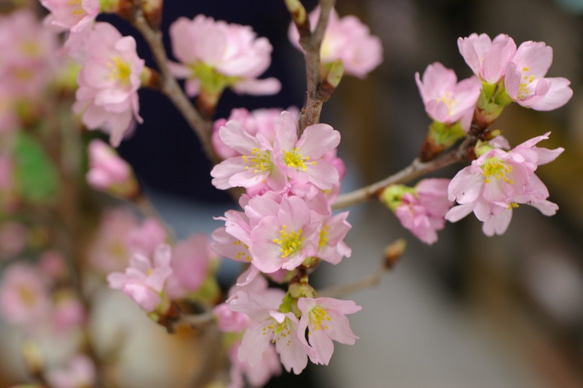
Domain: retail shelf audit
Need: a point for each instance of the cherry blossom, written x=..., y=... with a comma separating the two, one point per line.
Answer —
x=346, y=39
x=108, y=82
x=487, y=58
x=525, y=82
x=325, y=321
x=216, y=55
x=108, y=171
x=143, y=281
x=500, y=180
x=445, y=99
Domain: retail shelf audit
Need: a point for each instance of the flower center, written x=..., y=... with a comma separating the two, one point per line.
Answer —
x=242, y=253
x=323, y=236
x=318, y=318
x=494, y=167
x=294, y=159
x=119, y=70
x=290, y=242
x=260, y=161
x=449, y=102
x=524, y=87
x=26, y=295
x=76, y=7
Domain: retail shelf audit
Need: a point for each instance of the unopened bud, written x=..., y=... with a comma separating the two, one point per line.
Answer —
x=393, y=252
x=297, y=11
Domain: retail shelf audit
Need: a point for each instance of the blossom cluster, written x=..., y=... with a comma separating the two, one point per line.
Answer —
x=497, y=180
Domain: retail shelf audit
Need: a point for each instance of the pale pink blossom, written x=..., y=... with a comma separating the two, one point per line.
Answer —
x=191, y=261
x=487, y=58
x=143, y=281
x=79, y=372
x=525, y=82
x=500, y=180
x=215, y=50
x=445, y=99
x=423, y=211
x=229, y=320
x=110, y=249
x=107, y=96
x=53, y=264
x=108, y=171
x=28, y=57
x=257, y=375
x=74, y=15
x=325, y=321
x=24, y=295
x=285, y=238
x=256, y=121
x=254, y=166
x=68, y=312
x=346, y=39
x=303, y=158
x=331, y=245
x=146, y=237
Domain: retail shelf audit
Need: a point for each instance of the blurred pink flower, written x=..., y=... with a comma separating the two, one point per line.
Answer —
x=347, y=39
x=107, y=96
x=216, y=54
x=109, y=172
x=79, y=372
x=144, y=279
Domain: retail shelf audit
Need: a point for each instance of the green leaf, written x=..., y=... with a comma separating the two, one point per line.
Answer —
x=36, y=176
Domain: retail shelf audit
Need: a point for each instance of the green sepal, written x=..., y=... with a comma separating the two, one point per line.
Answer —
x=446, y=135
x=392, y=196
x=491, y=102
x=36, y=176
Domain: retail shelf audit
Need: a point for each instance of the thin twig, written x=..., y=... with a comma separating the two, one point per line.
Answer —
x=409, y=173
x=311, y=45
x=170, y=87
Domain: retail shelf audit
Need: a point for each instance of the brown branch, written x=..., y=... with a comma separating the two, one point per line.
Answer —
x=415, y=170
x=311, y=44
x=170, y=87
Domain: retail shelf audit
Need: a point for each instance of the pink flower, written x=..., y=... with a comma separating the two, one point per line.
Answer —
x=80, y=372
x=498, y=181
x=110, y=249
x=445, y=99
x=331, y=245
x=74, y=15
x=108, y=82
x=219, y=55
x=257, y=375
x=191, y=260
x=347, y=39
x=487, y=58
x=229, y=320
x=257, y=121
x=24, y=295
x=68, y=312
x=143, y=281
x=423, y=211
x=254, y=166
x=109, y=172
x=284, y=239
x=28, y=55
x=325, y=321
x=146, y=238
x=525, y=82
x=304, y=158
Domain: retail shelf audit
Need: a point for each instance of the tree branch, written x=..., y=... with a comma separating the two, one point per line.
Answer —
x=170, y=87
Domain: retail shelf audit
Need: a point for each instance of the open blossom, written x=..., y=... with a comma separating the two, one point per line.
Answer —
x=79, y=372
x=191, y=260
x=74, y=15
x=281, y=162
x=325, y=321
x=107, y=96
x=24, y=295
x=285, y=238
x=257, y=375
x=347, y=39
x=257, y=121
x=28, y=55
x=500, y=180
x=108, y=171
x=217, y=55
x=487, y=58
x=445, y=99
x=423, y=210
x=525, y=82
x=144, y=280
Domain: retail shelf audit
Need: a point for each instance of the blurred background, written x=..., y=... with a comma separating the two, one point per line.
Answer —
x=469, y=311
